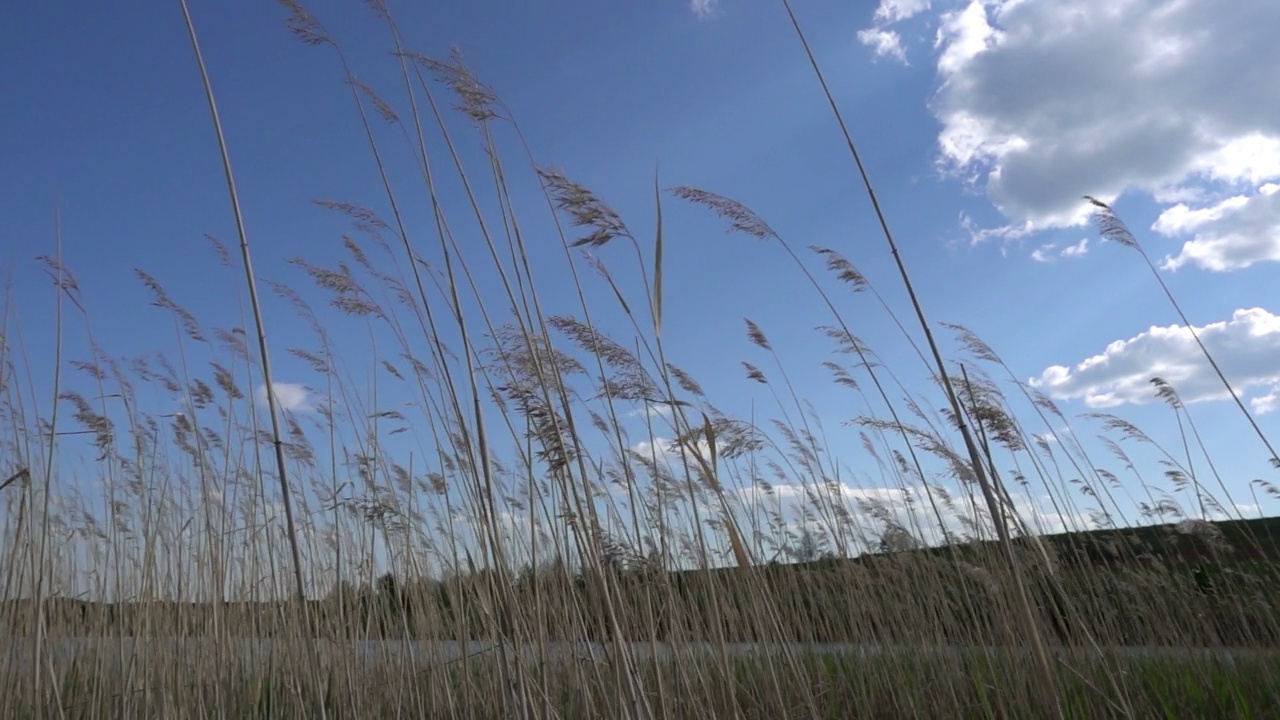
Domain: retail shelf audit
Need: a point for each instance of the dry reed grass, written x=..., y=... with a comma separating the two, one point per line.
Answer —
x=474, y=530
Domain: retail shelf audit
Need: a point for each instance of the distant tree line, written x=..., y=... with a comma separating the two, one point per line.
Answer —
x=1150, y=586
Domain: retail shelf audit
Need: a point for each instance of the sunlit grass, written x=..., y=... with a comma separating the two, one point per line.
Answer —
x=491, y=471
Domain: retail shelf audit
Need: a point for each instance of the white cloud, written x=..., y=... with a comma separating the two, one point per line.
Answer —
x=1050, y=252
x=917, y=514
x=1077, y=250
x=1245, y=509
x=703, y=8
x=1246, y=347
x=886, y=43
x=1042, y=102
x=1235, y=233
x=660, y=448
x=1270, y=402
x=962, y=36
x=652, y=410
x=1053, y=437
x=891, y=11
x=289, y=396
x=668, y=451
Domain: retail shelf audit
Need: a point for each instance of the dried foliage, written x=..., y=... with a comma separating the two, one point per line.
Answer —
x=461, y=475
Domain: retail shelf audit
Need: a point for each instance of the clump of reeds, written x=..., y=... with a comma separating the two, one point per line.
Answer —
x=495, y=506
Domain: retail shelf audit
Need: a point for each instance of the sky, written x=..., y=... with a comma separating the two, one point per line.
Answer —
x=982, y=124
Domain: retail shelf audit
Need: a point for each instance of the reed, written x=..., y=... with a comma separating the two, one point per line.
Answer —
x=508, y=500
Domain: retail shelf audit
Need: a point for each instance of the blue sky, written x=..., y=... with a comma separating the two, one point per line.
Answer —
x=982, y=124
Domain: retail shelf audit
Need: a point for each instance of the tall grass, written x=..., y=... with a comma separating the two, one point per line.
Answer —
x=492, y=507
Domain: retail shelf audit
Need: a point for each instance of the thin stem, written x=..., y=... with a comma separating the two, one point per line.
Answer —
x=276, y=439
x=1028, y=617
x=1114, y=229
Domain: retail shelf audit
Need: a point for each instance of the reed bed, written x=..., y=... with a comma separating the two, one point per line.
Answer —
x=493, y=507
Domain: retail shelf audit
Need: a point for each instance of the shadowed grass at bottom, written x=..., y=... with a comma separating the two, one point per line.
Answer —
x=964, y=684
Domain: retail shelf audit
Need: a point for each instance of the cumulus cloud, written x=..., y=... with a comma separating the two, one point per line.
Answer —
x=669, y=451
x=659, y=448
x=1232, y=234
x=891, y=11
x=289, y=396
x=1042, y=102
x=1246, y=347
x=653, y=410
x=703, y=8
x=885, y=43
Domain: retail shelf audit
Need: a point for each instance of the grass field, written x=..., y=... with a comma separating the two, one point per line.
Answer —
x=913, y=682
x=472, y=480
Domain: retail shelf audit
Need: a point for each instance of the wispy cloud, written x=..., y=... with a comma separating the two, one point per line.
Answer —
x=1077, y=250
x=1050, y=251
x=703, y=8
x=910, y=510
